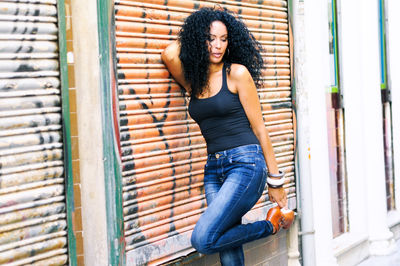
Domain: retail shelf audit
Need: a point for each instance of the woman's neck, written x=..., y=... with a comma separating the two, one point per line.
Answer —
x=215, y=67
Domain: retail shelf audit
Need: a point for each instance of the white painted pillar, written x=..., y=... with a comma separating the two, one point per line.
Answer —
x=349, y=16
x=380, y=237
x=87, y=80
x=312, y=80
x=293, y=244
x=393, y=54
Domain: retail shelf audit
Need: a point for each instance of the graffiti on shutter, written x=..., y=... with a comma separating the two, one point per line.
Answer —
x=32, y=201
x=163, y=152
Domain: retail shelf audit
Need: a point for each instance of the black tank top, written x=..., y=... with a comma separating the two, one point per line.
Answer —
x=222, y=119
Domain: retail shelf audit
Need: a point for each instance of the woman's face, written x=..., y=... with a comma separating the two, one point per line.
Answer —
x=218, y=41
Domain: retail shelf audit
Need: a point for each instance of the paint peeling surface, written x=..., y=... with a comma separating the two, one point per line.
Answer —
x=33, y=227
x=162, y=150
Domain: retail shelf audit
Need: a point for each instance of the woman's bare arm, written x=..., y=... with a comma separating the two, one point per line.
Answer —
x=170, y=57
x=245, y=87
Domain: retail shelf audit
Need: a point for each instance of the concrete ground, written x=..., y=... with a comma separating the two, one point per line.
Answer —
x=390, y=260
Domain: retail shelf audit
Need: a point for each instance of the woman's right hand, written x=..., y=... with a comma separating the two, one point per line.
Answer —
x=278, y=195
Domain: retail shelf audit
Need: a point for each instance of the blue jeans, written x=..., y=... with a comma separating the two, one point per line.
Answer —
x=234, y=180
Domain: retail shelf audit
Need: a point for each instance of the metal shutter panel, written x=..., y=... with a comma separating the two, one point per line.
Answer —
x=163, y=152
x=32, y=201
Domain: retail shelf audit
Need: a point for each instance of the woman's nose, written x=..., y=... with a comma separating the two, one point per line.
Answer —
x=217, y=44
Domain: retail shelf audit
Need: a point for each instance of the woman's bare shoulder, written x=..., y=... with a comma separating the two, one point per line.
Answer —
x=238, y=72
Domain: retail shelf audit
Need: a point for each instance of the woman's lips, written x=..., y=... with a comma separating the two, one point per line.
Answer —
x=217, y=55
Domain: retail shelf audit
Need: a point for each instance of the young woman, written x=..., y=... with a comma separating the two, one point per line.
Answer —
x=218, y=62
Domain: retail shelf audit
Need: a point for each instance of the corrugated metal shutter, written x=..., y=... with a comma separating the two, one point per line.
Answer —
x=163, y=152
x=32, y=201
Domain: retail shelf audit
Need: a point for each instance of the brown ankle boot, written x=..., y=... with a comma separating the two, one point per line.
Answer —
x=288, y=218
x=280, y=218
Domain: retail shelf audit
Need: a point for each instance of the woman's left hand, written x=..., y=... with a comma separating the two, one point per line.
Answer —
x=278, y=195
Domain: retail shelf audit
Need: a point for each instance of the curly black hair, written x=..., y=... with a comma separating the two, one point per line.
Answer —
x=242, y=48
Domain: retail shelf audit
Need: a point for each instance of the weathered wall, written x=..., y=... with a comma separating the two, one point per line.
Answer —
x=89, y=121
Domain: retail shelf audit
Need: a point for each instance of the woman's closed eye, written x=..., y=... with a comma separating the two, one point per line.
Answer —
x=211, y=39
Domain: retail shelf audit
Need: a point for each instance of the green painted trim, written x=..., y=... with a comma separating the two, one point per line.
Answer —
x=112, y=164
x=66, y=131
x=335, y=44
x=382, y=28
x=334, y=89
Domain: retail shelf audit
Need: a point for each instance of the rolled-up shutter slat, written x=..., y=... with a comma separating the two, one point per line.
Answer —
x=46, y=249
x=33, y=226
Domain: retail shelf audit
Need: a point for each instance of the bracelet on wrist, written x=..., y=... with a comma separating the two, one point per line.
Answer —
x=271, y=186
x=275, y=180
x=275, y=183
x=279, y=175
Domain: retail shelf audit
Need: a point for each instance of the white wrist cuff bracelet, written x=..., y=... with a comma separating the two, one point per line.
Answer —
x=279, y=175
x=275, y=182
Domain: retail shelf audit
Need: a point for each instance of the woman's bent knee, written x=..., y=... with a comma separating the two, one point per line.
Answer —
x=200, y=242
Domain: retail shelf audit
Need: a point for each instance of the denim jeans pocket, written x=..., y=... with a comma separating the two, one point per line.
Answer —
x=243, y=158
